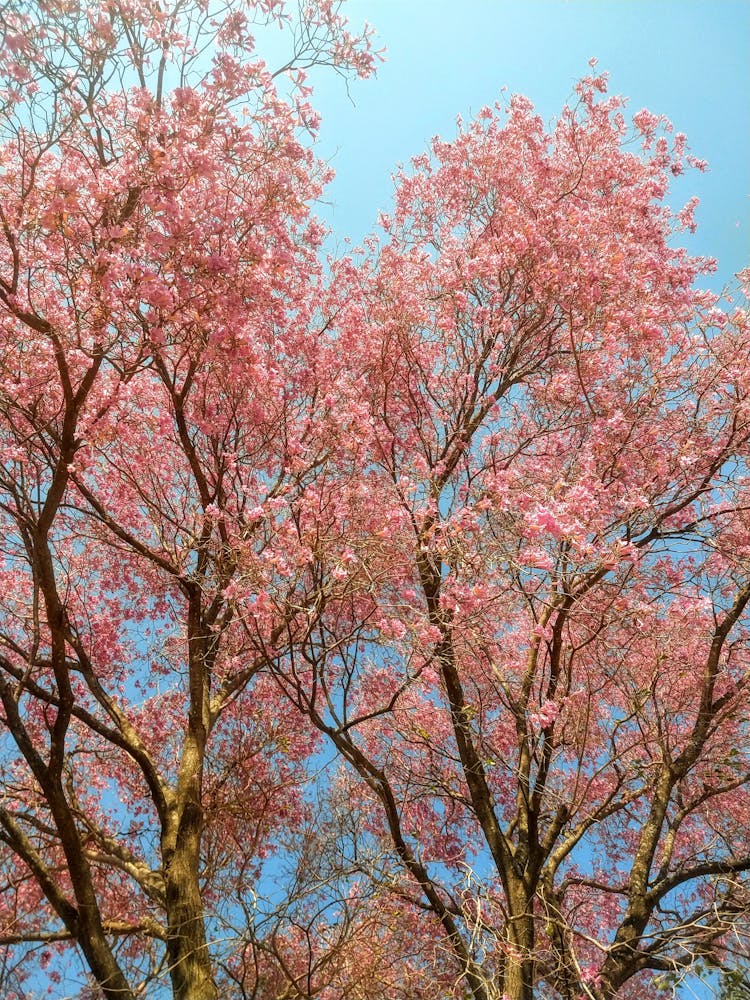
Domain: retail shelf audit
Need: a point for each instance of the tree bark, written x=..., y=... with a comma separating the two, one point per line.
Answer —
x=519, y=966
x=187, y=947
x=190, y=963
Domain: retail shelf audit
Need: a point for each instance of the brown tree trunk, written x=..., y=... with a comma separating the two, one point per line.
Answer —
x=190, y=965
x=519, y=966
x=189, y=960
x=519, y=983
x=104, y=967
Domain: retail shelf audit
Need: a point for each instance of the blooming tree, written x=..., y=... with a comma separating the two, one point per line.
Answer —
x=538, y=670
x=162, y=421
x=469, y=510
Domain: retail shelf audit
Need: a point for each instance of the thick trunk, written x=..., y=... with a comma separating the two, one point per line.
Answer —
x=519, y=966
x=189, y=958
x=190, y=965
x=519, y=979
x=104, y=967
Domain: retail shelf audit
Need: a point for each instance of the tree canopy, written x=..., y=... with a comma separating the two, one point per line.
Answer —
x=372, y=626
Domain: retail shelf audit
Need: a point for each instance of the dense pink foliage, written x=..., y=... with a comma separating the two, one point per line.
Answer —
x=467, y=510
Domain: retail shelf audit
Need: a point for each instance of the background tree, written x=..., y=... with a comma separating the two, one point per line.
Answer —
x=162, y=421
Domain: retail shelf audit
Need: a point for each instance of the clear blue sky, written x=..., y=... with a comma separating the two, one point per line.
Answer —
x=688, y=59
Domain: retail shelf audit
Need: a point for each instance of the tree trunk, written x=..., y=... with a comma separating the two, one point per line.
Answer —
x=187, y=948
x=106, y=971
x=519, y=966
x=189, y=959
x=190, y=965
x=519, y=983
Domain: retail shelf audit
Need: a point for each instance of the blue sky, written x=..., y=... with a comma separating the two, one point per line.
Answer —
x=687, y=59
